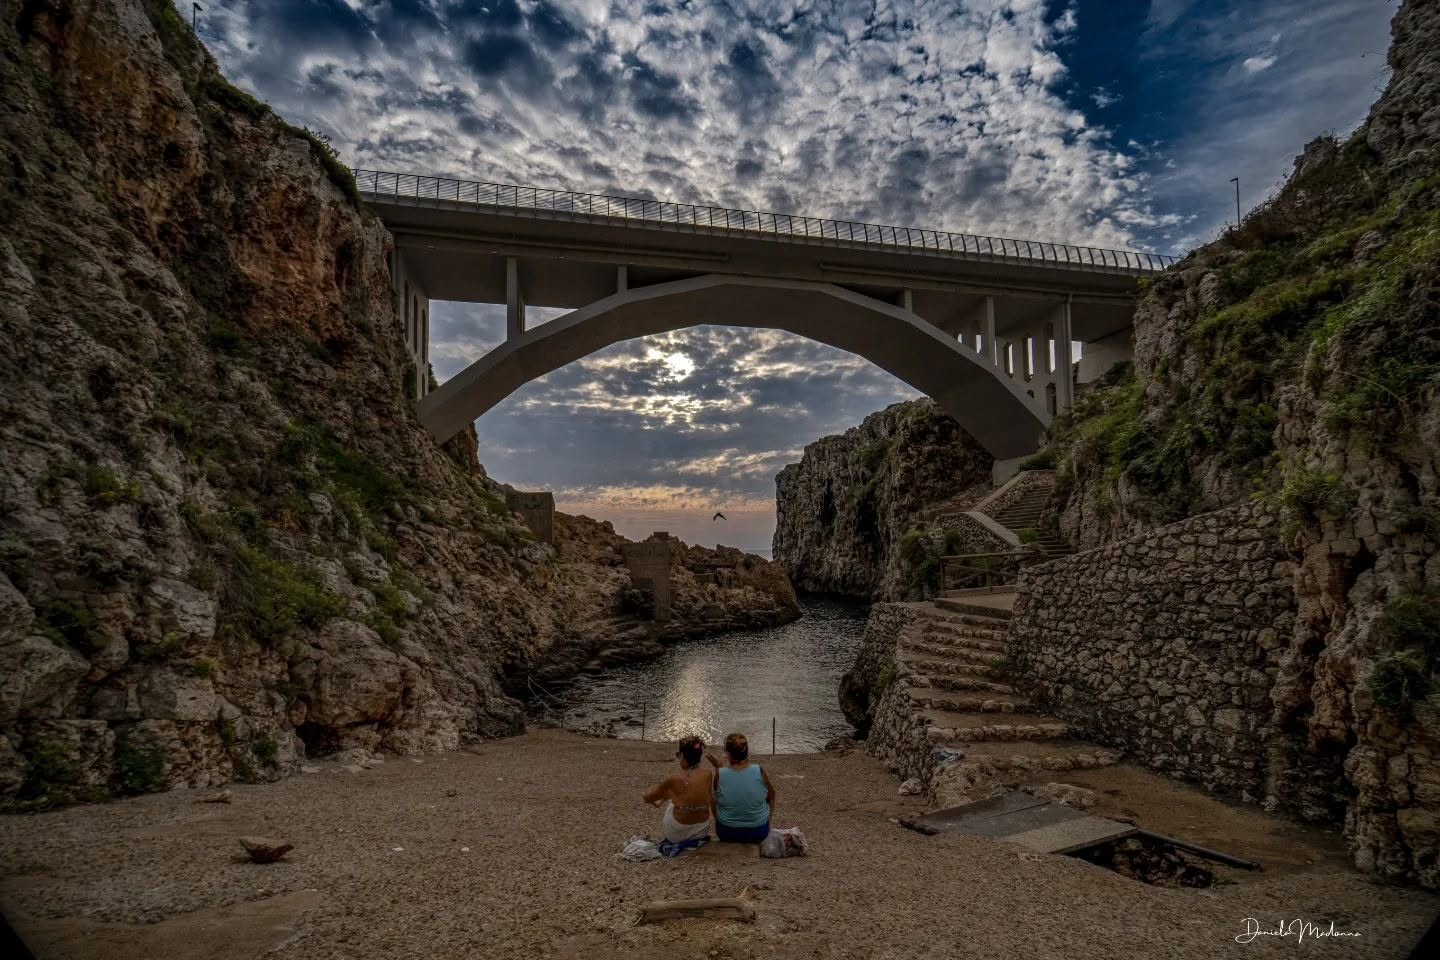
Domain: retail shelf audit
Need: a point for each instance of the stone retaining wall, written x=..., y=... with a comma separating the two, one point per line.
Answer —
x=1167, y=646
x=867, y=680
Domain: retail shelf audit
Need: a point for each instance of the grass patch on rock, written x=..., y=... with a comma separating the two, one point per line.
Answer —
x=139, y=765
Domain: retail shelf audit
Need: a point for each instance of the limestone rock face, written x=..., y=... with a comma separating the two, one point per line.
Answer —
x=1296, y=360
x=843, y=511
x=225, y=541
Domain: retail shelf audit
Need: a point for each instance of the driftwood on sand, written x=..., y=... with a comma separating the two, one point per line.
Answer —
x=726, y=908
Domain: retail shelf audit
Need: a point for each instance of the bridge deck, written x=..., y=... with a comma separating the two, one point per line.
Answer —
x=399, y=190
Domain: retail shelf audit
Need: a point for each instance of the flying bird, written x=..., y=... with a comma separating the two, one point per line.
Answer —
x=718, y=516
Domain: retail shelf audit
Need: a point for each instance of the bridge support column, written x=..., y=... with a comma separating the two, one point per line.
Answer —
x=992, y=347
x=514, y=301
x=622, y=278
x=412, y=307
x=1100, y=355
x=1064, y=363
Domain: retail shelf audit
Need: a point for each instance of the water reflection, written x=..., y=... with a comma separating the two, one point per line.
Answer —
x=736, y=682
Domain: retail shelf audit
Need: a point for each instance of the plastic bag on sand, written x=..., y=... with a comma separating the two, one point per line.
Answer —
x=639, y=849
x=787, y=842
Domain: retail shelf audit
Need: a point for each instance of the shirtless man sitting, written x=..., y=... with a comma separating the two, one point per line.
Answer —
x=685, y=795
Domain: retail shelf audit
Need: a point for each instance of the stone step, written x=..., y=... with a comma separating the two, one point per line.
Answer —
x=1035, y=756
x=968, y=683
x=968, y=728
x=989, y=609
x=980, y=651
x=950, y=605
x=935, y=668
x=939, y=628
x=928, y=700
x=969, y=656
x=921, y=647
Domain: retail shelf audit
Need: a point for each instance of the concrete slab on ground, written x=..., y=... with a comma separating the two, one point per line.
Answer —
x=1028, y=820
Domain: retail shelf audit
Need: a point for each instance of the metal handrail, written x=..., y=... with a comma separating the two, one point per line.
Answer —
x=378, y=183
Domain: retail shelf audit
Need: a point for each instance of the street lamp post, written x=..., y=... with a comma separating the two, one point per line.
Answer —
x=1236, y=181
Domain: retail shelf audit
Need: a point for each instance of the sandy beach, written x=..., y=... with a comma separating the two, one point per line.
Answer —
x=509, y=850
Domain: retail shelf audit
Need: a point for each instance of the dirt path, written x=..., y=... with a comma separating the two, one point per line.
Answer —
x=543, y=816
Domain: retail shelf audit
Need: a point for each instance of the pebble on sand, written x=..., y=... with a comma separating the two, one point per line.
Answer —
x=265, y=850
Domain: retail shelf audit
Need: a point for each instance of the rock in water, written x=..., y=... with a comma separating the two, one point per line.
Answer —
x=265, y=850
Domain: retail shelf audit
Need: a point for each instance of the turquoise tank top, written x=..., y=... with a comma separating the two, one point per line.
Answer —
x=740, y=797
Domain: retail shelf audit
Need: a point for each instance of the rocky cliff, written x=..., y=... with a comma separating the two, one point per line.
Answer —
x=1297, y=359
x=854, y=516
x=224, y=539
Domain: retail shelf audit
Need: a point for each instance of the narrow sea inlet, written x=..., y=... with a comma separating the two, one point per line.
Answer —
x=737, y=682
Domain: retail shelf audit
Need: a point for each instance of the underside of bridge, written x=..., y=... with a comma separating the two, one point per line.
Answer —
x=990, y=338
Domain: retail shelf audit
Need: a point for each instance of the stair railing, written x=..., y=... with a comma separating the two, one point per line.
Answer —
x=982, y=571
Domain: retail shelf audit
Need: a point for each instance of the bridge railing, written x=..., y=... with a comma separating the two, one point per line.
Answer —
x=379, y=184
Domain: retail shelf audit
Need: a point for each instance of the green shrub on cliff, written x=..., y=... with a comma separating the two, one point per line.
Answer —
x=69, y=622
x=49, y=774
x=1310, y=495
x=1044, y=460
x=261, y=596
x=266, y=749
x=139, y=765
x=1406, y=673
x=874, y=455
x=1412, y=620
x=268, y=598
x=313, y=445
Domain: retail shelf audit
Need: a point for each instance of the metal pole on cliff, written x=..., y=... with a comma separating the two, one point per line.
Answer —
x=772, y=736
x=1236, y=181
x=195, y=9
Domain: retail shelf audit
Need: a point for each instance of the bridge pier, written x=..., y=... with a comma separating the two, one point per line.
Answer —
x=1064, y=364
x=1102, y=354
x=514, y=300
x=412, y=306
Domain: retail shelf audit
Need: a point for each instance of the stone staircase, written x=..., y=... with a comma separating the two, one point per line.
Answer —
x=1021, y=514
x=1028, y=512
x=951, y=718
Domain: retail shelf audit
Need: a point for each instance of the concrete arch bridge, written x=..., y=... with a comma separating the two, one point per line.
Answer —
x=984, y=325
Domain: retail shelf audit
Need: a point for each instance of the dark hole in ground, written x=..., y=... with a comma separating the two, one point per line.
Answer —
x=1149, y=861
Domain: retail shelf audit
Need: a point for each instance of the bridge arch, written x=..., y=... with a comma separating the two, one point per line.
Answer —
x=997, y=410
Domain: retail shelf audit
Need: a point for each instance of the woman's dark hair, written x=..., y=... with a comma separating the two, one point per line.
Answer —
x=691, y=750
x=737, y=747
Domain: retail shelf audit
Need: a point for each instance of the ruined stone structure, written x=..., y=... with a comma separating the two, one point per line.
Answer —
x=649, y=564
x=536, y=509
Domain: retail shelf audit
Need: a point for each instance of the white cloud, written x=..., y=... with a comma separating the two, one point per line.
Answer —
x=1256, y=64
x=917, y=113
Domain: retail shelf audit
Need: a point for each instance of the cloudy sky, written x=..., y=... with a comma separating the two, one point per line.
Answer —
x=1117, y=123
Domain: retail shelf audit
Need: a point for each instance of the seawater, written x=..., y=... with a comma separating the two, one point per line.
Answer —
x=736, y=682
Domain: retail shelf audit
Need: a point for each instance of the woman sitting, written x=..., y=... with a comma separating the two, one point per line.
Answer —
x=686, y=793
x=744, y=796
